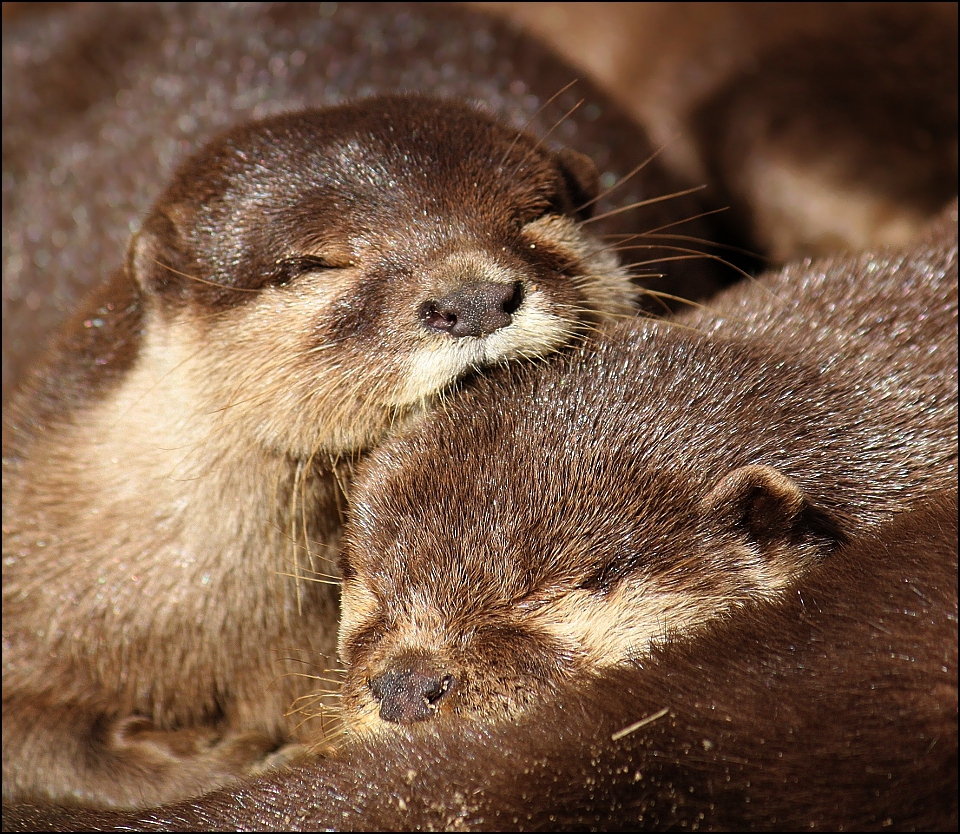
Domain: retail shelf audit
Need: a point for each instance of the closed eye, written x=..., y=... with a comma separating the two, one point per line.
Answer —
x=291, y=268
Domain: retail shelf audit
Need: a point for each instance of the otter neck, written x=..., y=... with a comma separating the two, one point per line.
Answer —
x=163, y=446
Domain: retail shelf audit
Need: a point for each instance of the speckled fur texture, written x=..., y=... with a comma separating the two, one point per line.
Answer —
x=835, y=709
x=833, y=706
x=189, y=439
x=676, y=471
x=777, y=717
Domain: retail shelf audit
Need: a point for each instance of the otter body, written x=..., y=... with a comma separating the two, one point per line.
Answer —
x=623, y=497
x=174, y=471
x=173, y=474
x=831, y=704
x=155, y=97
x=835, y=708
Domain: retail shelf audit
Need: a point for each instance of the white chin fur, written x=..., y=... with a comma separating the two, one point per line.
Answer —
x=534, y=331
x=444, y=359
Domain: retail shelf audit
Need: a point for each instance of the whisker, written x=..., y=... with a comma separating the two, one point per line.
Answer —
x=540, y=109
x=623, y=179
x=693, y=254
x=201, y=280
x=544, y=138
x=641, y=203
x=321, y=581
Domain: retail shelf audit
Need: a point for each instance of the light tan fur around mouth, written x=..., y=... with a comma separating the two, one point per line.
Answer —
x=538, y=328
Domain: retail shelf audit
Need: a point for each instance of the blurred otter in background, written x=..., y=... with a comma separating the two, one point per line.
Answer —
x=824, y=126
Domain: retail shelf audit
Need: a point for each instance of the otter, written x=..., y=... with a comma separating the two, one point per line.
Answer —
x=667, y=475
x=305, y=285
x=828, y=126
x=826, y=524
x=170, y=92
x=103, y=103
x=833, y=708
x=175, y=473
x=652, y=583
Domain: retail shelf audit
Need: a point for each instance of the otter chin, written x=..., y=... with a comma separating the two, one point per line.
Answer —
x=306, y=285
x=564, y=520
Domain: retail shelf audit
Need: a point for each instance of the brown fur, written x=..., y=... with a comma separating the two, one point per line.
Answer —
x=832, y=709
x=184, y=741
x=101, y=104
x=585, y=512
x=826, y=126
x=159, y=463
x=833, y=705
x=274, y=317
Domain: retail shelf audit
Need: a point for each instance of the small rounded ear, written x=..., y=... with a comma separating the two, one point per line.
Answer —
x=155, y=258
x=582, y=179
x=759, y=502
x=770, y=514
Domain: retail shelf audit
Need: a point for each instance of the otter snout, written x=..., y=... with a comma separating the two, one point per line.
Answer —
x=411, y=691
x=475, y=309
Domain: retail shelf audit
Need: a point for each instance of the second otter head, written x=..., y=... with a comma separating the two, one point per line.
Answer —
x=542, y=530
x=334, y=270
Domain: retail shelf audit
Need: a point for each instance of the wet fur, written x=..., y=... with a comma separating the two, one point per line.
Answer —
x=582, y=808
x=157, y=467
x=103, y=103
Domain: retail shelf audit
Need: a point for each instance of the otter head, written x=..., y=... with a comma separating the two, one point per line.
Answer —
x=334, y=270
x=555, y=526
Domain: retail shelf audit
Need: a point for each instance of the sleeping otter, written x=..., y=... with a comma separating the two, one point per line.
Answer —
x=584, y=512
x=833, y=708
x=178, y=138
x=102, y=103
x=305, y=285
x=830, y=704
x=158, y=554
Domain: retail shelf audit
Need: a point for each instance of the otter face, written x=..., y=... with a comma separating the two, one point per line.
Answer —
x=337, y=269
x=518, y=540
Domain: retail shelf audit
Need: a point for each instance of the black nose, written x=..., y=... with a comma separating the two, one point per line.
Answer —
x=411, y=693
x=475, y=309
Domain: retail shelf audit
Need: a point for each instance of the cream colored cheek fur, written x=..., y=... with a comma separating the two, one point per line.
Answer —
x=537, y=329
x=627, y=623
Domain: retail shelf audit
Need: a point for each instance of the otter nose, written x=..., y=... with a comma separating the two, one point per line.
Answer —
x=412, y=693
x=475, y=309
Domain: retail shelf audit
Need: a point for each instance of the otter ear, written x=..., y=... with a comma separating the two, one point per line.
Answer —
x=769, y=511
x=155, y=256
x=759, y=502
x=582, y=179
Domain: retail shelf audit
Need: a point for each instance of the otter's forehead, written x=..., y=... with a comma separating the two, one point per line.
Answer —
x=383, y=176
x=517, y=498
x=376, y=146
x=588, y=471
